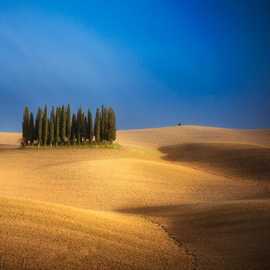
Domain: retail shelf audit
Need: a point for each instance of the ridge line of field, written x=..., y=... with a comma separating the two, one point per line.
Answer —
x=173, y=239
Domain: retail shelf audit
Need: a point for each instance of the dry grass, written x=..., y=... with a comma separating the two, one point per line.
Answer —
x=91, y=208
x=49, y=236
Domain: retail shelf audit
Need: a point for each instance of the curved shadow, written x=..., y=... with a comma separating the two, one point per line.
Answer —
x=233, y=160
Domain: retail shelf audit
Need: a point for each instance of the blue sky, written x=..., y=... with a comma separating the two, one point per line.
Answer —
x=156, y=62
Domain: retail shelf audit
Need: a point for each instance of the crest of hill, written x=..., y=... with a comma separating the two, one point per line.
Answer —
x=165, y=136
x=237, y=153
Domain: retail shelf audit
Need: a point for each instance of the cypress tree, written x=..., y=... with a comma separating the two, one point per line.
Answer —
x=45, y=126
x=51, y=128
x=57, y=126
x=79, y=125
x=31, y=128
x=37, y=124
x=68, y=123
x=97, y=126
x=111, y=125
x=89, y=126
x=73, y=128
x=102, y=123
x=63, y=125
x=84, y=130
x=106, y=125
x=26, y=125
x=39, y=128
x=113, y=131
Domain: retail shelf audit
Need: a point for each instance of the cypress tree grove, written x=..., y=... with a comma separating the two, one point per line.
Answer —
x=26, y=125
x=97, y=126
x=60, y=128
x=45, y=126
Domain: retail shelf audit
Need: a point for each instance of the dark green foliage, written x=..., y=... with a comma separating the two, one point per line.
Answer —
x=68, y=123
x=79, y=126
x=39, y=127
x=105, y=131
x=85, y=125
x=73, y=129
x=102, y=123
x=37, y=124
x=89, y=127
x=26, y=125
x=51, y=128
x=63, y=125
x=60, y=128
x=111, y=125
x=97, y=126
x=45, y=127
x=57, y=126
x=31, y=129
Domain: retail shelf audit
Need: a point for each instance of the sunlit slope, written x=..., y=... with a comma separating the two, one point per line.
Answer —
x=37, y=235
x=9, y=139
x=105, y=179
x=158, y=137
x=206, y=188
x=242, y=154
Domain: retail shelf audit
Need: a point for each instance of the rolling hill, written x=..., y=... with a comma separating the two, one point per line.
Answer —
x=185, y=197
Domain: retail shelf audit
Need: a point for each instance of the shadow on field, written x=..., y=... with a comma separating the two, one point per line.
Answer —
x=240, y=160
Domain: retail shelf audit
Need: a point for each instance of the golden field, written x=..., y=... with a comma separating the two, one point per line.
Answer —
x=185, y=197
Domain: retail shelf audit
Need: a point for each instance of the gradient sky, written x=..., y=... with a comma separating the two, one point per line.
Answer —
x=156, y=62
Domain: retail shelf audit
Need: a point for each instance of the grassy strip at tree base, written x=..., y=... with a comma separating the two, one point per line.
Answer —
x=104, y=145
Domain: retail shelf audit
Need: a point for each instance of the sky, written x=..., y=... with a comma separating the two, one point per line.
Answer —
x=155, y=62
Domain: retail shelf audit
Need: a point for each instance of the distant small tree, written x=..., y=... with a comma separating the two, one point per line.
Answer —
x=97, y=126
